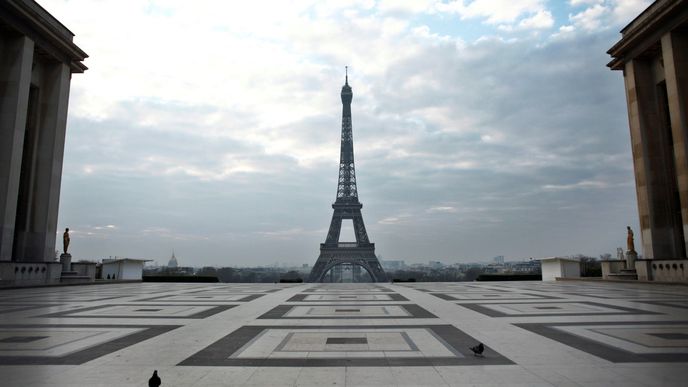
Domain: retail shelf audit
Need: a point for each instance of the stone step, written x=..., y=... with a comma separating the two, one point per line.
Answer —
x=73, y=279
x=624, y=276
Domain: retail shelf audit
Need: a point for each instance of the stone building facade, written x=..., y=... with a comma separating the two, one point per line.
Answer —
x=653, y=56
x=37, y=59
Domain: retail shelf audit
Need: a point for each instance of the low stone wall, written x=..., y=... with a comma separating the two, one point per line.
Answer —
x=29, y=273
x=612, y=267
x=87, y=269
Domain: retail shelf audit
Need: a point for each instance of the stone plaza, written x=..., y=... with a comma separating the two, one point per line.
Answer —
x=553, y=333
x=564, y=333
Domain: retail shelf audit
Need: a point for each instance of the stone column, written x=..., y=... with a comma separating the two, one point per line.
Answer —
x=37, y=239
x=50, y=156
x=639, y=158
x=16, y=56
x=675, y=58
x=650, y=155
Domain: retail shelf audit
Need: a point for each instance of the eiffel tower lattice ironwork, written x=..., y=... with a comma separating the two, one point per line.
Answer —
x=346, y=206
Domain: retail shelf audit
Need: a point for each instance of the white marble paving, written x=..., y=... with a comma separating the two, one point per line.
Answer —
x=551, y=308
x=313, y=343
x=473, y=295
x=143, y=311
x=347, y=311
x=537, y=360
x=637, y=338
x=347, y=297
x=53, y=342
x=213, y=297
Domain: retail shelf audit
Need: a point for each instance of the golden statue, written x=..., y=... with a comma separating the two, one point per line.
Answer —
x=629, y=240
x=65, y=240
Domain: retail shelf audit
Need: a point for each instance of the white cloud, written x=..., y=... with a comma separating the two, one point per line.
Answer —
x=626, y=10
x=442, y=209
x=586, y=184
x=566, y=28
x=493, y=11
x=602, y=14
x=591, y=18
x=405, y=6
x=541, y=19
x=576, y=3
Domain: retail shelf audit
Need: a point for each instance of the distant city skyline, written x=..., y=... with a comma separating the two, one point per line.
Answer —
x=482, y=129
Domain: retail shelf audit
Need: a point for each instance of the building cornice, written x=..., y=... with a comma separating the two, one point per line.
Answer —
x=49, y=35
x=645, y=30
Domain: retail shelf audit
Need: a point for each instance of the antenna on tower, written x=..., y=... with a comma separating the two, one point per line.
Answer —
x=346, y=76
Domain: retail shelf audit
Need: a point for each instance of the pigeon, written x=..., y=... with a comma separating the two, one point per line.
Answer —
x=478, y=350
x=154, y=381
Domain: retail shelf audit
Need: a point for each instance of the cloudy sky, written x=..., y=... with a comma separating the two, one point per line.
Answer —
x=481, y=128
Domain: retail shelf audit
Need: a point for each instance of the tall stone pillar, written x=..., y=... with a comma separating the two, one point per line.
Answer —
x=639, y=155
x=653, y=159
x=675, y=58
x=36, y=238
x=16, y=56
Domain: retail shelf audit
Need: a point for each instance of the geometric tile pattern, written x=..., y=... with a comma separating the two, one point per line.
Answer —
x=348, y=297
x=202, y=297
x=566, y=308
x=69, y=344
x=354, y=311
x=144, y=311
x=362, y=288
x=654, y=341
x=490, y=296
x=630, y=295
x=11, y=308
x=52, y=298
x=350, y=345
x=683, y=304
x=567, y=333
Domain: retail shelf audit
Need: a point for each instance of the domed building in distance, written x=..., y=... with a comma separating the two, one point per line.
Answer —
x=173, y=262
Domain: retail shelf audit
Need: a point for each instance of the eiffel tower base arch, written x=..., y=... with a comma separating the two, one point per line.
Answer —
x=334, y=256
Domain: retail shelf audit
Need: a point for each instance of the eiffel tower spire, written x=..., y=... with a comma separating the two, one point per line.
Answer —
x=346, y=206
x=346, y=188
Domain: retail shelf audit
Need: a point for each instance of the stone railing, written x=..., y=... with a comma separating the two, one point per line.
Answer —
x=668, y=270
x=29, y=273
x=661, y=270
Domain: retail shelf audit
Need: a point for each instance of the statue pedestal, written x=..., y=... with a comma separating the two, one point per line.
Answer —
x=66, y=261
x=631, y=256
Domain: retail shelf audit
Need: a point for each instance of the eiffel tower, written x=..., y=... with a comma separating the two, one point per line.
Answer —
x=332, y=252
